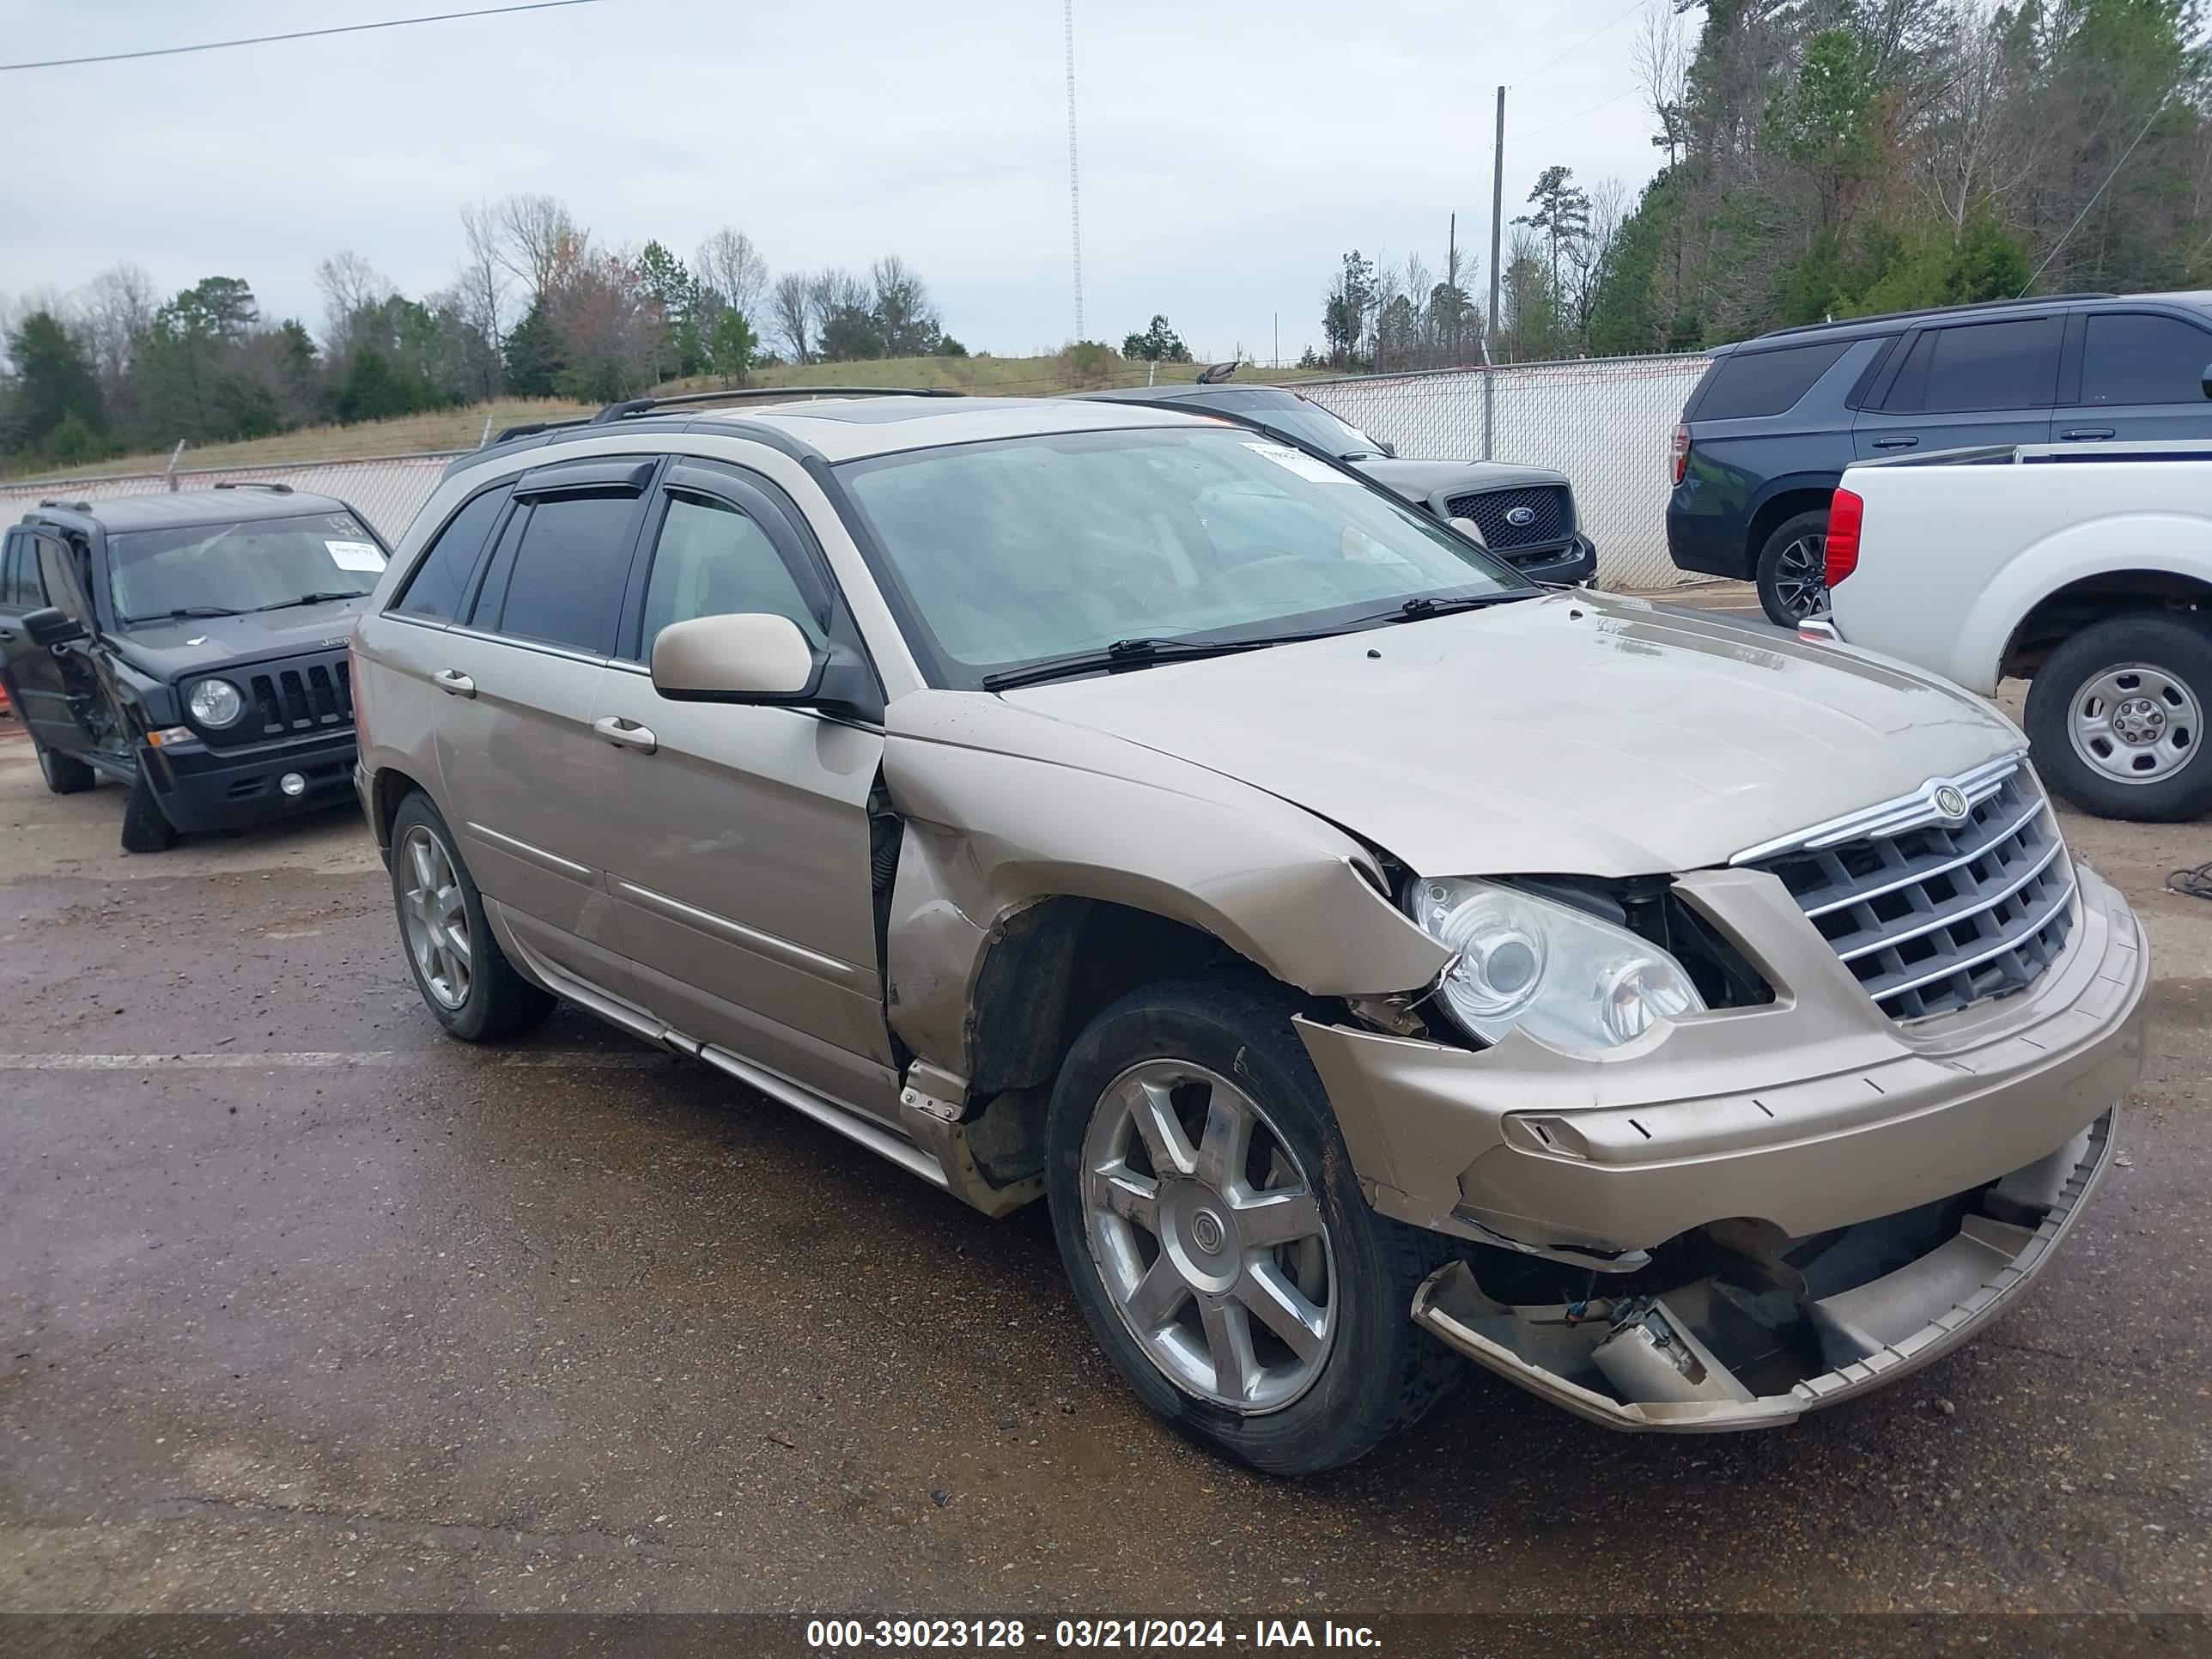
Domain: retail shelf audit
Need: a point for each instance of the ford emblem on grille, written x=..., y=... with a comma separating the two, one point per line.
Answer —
x=1951, y=801
x=1521, y=517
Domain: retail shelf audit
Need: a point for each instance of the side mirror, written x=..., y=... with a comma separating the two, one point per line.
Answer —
x=52, y=627
x=2207, y=381
x=750, y=657
x=1471, y=529
x=1391, y=449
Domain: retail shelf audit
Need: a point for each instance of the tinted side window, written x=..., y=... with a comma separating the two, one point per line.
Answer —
x=2135, y=358
x=440, y=583
x=712, y=560
x=566, y=586
x=1747, y=383
x=1980, y=366
x=19, y=575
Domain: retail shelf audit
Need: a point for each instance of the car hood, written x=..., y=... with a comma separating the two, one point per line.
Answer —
x=198, y=644
x=1438, y=481
x=1576, y=734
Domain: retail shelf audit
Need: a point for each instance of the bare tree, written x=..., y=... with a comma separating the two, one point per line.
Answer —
x=729, y=263
x=116, y=305
x=350, y=285
x=903, y=310
x=479, y=291
x=791, y=314
x=1661, y=54
x=535, y=235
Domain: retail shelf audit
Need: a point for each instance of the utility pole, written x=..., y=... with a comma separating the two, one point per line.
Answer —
x=1075, y=196
x=1497, y=229
x=1451, y=281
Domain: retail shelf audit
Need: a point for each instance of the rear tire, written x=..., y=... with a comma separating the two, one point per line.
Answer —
x=2116, y=715
x=1793, y=574
x=464, y=978
x=146, y=827
x=65, y=774
x=1191, y=1305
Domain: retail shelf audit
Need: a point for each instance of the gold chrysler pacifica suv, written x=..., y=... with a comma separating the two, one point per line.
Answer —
x=1373, y=959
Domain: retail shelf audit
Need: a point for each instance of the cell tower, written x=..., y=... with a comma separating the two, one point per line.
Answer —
x=1074, y=191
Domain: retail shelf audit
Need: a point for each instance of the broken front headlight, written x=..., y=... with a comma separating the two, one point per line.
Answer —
x=1529, y=964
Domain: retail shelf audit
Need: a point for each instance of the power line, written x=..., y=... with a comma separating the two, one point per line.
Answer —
x=2157, y=109
x=1578, y=45
x=295, y=34
x=1532, y=132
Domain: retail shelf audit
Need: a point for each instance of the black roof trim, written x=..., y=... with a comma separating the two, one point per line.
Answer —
x=1879, y=319
x=538, y=438
x=630, y=408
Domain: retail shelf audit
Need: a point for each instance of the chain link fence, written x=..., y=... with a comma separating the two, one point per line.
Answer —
x=1607, y=423
x=386, y=490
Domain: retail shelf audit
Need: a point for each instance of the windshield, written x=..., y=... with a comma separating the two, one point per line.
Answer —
x=255, y=564
x=1311, y=423
x=1007, y=554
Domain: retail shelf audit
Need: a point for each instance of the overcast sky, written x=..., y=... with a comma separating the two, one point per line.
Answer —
x=1231, y=149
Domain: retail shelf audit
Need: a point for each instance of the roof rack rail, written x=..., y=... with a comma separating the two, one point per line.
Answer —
x=68, y=507
x=253, y=483
x=1935, y=311
x=630, y=408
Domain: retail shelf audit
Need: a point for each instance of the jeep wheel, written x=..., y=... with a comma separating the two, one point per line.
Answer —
x=464, y=976
x=146, y=827
x=2116, y=717
x=1216, y=1238
x=1793, y=569
x=65, y=774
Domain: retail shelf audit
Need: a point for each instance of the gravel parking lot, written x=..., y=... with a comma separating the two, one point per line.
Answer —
x=306, y=1310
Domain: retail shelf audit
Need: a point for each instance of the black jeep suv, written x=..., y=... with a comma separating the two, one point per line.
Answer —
x=1775, y=420
x=193, y=647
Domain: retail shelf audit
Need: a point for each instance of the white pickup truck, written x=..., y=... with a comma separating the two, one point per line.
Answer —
x=2084, y=569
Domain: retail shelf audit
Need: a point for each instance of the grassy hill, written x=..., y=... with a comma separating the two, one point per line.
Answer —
x=462, y=429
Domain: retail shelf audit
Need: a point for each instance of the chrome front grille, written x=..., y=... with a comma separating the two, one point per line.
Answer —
x=1935, y=912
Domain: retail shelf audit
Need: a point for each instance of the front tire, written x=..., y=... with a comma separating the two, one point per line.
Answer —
x=65, y=774
x=1215, y=1237
x=464, y=978
x=1793, y=570
x=146, y=827
x=2115, y=716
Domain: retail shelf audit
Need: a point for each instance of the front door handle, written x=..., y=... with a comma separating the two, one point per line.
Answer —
x=1895, y=443
x=7, y=633
x=628, y=733
x=2074, y=434
x=454, y=682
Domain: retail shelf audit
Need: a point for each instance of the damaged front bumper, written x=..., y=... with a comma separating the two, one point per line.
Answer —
x=1782, y=1204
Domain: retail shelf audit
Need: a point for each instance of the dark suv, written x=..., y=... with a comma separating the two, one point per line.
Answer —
x=193, y=647
x=1775, y=420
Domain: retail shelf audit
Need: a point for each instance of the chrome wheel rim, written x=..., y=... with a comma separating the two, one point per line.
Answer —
x=1209, y=1236
x=435, y=918
x=1801, y=576
x=2136, y=723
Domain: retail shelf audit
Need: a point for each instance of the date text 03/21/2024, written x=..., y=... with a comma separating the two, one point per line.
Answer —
x=1125, y=1635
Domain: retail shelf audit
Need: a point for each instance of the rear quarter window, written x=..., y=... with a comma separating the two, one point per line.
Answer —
x=1745, y=384
x=440, y=583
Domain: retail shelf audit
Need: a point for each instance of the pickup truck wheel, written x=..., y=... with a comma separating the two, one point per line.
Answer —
x=65, y=774
x=146, y=827
x=464, y=978
x=1793, y=569
x=2115, y=716
x=1217, y=1240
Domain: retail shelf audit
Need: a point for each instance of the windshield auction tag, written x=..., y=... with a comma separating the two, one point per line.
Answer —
x=1297, y=461
x=355, y=555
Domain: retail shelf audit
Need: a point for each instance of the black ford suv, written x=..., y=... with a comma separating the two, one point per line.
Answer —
x=193, y=647
x=1524, y=515
x=1776, y=420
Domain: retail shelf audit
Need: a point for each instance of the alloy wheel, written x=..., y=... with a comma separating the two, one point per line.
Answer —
x=1209, y=1236
x=2136, y=723
x=434, y=917
x=1801, y=576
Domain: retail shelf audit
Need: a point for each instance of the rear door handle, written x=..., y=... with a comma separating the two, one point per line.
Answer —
x=454, y=682
x=1895, y=443
x=2074, y=434
x=626, y=733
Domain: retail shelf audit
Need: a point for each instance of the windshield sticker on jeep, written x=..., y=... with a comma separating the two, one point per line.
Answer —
x=1297, y=461
x=355, y=555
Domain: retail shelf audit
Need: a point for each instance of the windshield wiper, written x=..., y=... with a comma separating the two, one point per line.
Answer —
x=182, y=611
x=311, y=598
x=1127, y=654
x=1429, y=605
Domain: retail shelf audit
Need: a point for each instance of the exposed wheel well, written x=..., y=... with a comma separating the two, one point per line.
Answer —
x=2094, y=600
x=390, y=788
x=1771, y=516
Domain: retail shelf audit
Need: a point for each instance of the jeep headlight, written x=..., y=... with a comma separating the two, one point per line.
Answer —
x=1529, y=964
x=215, y=703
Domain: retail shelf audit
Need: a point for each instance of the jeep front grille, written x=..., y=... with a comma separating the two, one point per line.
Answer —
x=1931, y=914
x=1549, y=523
x=306, y=696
